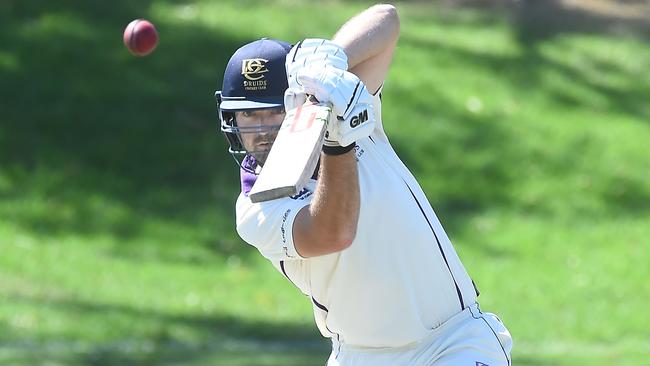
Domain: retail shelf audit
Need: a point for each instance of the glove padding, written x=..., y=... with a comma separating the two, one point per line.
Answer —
x=294, y=97
x=313, y=51
x=345, y=131
x=340, y=132
x=341, y=88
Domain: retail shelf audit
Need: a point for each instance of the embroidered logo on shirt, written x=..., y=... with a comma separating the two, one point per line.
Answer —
x=286, y=252
x=359, y=152
x=283, y=231
x=302, y=194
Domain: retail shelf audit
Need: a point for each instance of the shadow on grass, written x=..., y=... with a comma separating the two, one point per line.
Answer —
x=83, y=119
x=157, y=338
x=502, y=159
x=86, y=125
x=537, y=20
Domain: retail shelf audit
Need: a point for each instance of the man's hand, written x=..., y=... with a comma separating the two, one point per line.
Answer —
x=340, y=131
x=359, y=124
x=293, y=98
x=328, y=84
x=313, y=51
x=351, y=102
x=318, y=67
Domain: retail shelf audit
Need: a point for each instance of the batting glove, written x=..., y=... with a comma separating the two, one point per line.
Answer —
x=328, y=84
x=312, y=51
x=341, y=133
x=293, y=98
x=344, y=132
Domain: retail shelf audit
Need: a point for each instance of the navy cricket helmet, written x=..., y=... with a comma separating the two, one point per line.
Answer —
x=255, y=78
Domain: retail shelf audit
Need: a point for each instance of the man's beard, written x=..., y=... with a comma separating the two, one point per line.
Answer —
x=261, y=154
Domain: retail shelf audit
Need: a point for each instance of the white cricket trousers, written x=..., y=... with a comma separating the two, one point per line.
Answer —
x=469, y=338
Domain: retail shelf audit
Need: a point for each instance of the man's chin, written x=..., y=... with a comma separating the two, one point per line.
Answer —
x=260, y=157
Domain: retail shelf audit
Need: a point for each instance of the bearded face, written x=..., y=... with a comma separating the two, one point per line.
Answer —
x=258, y=129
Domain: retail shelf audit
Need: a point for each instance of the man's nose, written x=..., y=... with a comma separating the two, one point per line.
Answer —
x=266, y=120
x=264, y=132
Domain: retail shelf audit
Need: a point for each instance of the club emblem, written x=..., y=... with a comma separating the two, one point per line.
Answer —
x=254, y=68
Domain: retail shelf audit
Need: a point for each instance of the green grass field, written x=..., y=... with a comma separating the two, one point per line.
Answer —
x=117, y=241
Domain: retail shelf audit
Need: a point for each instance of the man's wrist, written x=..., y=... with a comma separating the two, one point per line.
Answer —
x=337, y=149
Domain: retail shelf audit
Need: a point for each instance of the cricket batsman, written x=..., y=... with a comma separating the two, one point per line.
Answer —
x=361, y=240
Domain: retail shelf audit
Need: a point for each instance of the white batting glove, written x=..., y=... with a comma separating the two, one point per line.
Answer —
x=341, y=88
x=294, y=97
x=311, y=51
x=346, y=131
x=340, y=132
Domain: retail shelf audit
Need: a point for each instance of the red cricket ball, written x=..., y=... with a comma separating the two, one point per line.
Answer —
x=140, y=37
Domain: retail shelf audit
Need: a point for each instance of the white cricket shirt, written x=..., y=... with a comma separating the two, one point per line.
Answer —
x=400, y=278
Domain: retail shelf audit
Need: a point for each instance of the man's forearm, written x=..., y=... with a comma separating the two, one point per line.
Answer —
x=329, y=223
x=368, y=33
x=368, y=40
x=336, y=200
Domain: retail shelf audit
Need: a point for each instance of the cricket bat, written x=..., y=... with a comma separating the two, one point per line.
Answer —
x=294, y=154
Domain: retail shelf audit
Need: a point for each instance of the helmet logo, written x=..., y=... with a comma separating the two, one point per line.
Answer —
x=254, y=68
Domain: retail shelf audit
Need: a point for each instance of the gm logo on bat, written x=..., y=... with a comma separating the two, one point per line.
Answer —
x=355, y=121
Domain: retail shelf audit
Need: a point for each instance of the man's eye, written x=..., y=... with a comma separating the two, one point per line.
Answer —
x=279, y=110
x=247, y=113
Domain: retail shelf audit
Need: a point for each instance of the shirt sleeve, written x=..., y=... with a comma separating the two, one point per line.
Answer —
x=268, y=226
x=378, y=133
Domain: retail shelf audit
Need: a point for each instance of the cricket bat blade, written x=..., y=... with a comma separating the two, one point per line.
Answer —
x=294, y=154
